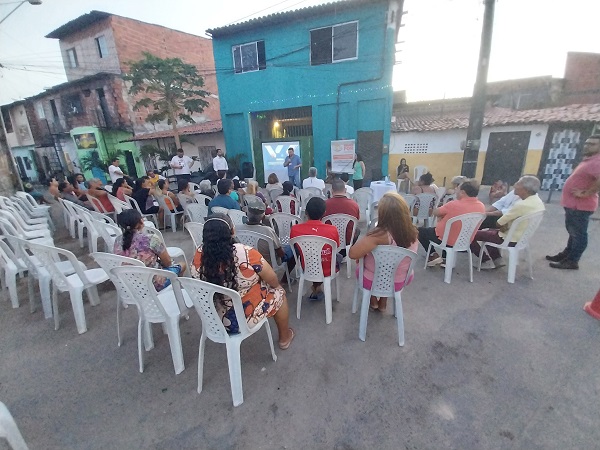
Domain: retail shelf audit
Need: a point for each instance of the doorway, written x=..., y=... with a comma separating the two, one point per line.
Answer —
x=370, y=146
x=505, y=156
x=130, y=163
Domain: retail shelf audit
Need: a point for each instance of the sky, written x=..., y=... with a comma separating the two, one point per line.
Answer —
x=437, y=50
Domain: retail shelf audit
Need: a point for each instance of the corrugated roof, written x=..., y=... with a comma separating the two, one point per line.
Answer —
x=213, y=126
x=78, y=24
x=287, y=16
x=498, y=116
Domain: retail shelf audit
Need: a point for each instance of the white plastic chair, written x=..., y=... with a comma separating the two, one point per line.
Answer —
x=15, y=218
x=17, y=208
x=252, y=238
x=165, y=307
x=237, y=217
x=119, y=205
x=34, y=207
x=532, y=222
x=425, y=201
x=99, y=207
x=367, y=190
x=202, y=295
x=282, y=224
x=82, y=279
x=202, y=199
x=341, y=221
x=315, y=191
x=10, y=431
x=41, y=211
x=174, y=252
x=418, y=171
x=108, y=233
x=10, y=267
x=133, y=202
x=22, y=232
x=90, y=224
x=75, y=221
x=219, y=210
x=310, y=248
x=108, y=261
x=69, y=218
x=283, y=204
x=469, y=224
x=195, y=229
x=410, y=201
x=387, y=260
x=273, y=194
x=251, y=199
x=364, y=199
x=196, y=212
x=167, y=213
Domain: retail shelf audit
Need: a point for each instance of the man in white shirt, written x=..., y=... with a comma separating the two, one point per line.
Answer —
x=114, y=171
x=312, y=180
x=181, y=165
x=220, y=164
x=498, y=208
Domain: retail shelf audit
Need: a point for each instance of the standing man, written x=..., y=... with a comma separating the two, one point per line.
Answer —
x=114, y=171
x=181, y=165
x=293, y=163
x=220, y=164
x=580, y=200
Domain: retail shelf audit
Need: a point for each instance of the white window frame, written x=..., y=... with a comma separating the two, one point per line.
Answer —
x=102, y=54
x=335, y=61
x=255, y=43
x=72, y=52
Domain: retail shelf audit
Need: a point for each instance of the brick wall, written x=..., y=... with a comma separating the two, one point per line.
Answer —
x=582, y=78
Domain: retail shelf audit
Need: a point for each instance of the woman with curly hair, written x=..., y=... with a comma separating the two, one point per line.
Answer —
x=394, y=227
x=134, y=243
x=226, y=263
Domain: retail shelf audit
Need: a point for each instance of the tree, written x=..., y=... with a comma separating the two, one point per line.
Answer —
x=171, y=87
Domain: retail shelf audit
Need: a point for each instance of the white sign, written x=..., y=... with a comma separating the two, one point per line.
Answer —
x=274, y=153
x=342, y=156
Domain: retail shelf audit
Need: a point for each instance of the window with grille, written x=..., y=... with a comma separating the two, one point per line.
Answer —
x=416, y=148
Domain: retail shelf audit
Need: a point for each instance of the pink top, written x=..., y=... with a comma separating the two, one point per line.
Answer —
x=455, y=208
x=584, y=176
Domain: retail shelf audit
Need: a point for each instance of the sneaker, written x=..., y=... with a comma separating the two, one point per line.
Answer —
x=485, y=265
x=499, y=262
x=558, y=257
x=565, y=264
x=435, y=261
x=317, y=296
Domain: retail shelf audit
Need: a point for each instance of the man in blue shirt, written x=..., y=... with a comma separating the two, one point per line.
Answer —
x=224, y=187
x=293, y=163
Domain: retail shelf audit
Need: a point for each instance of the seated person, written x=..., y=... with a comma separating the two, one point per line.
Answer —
x=466, y=202
x=394, y=227
x=346, y=178
x=53, y=188
x=526, y=189
x=498, y=190
x=37, y=196
x=223, y=199
x=315, y=210
x=185, y=195
x=288, y=189
x=121, y=188
x=66, y=193
x=154, y=176
x=97, y=191
x=206, y=188
x=252, y=189
x=456, y=181
x=424, y=186
x=171, y=200
x=79, y=185
x=273, y=182
x=224, y=262
x=145, y=200
x=340, y=204
x=312, y=180
x=499, y=207
x=237, y=193
x=147, y=248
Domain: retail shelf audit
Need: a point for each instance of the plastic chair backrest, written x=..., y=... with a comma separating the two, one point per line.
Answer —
x=274, y=193
x=425, y=204
x=97, y=204
x=410, y=201
x=219, y=210
x=7, y=257
x=283, y=204
x=154, y=231
x=28, y=197
x=469, y=224
x=533, y=222
x=365, y=189
x=196, y=212
x=309, y=251
x=387, y=260
x=341, y=221
x=118, y=204
x=250, y=199
x=49, y=256
x=252, y=238
x=282, y=224
x=133, y=202
x=101, y=217
x=108, y=233
x=315, y=191
x=202, y=199
x=363, y=198
x=237, y=217
x=138, y=283
x=196, y=229
x=20, y=251
x=418, y=171
x=8, y=216
x=202, y=294
x=109, y=261
x=8, y=229
x=440, y=192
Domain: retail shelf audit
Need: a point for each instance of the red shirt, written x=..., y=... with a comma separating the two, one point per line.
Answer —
x=318, y=228
x=343, y=205
x=584, y=176
x=455, y=208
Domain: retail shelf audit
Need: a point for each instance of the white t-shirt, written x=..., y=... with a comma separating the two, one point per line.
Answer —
x=220, y=163
x=349, y=189
x=115, y=173
x=506, y=202
x=182, y=165
x=313, y=182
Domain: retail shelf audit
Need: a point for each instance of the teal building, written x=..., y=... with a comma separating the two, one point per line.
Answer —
x=309, y=77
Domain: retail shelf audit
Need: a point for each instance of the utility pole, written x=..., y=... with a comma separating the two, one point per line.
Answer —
x=471, y=153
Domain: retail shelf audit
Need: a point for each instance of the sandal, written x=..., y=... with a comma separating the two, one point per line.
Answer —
x=285, y=345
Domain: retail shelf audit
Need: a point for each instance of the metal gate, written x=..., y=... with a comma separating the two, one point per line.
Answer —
x=505, y=156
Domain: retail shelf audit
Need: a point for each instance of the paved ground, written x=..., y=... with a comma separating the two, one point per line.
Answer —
x=486, y=365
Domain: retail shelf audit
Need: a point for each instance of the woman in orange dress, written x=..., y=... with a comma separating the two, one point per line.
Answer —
x=226, y=263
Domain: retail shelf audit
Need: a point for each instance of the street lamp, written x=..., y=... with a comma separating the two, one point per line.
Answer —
x=31, y=2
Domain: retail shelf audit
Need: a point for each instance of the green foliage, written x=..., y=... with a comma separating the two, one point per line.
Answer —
x=172, y=88
x=91, y=160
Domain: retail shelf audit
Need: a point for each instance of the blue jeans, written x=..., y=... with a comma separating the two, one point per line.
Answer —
x=576, y=223
x=295, y=179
